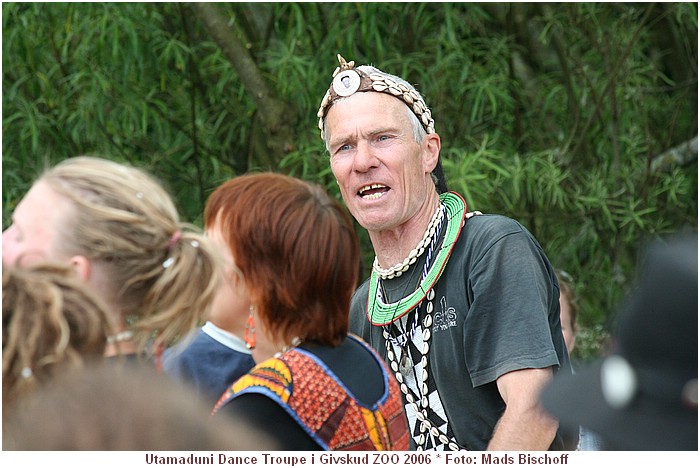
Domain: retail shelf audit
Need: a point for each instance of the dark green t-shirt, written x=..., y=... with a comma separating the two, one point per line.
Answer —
x=496, y=311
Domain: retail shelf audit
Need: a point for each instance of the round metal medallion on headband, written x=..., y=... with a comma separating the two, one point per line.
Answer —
x=346, y=83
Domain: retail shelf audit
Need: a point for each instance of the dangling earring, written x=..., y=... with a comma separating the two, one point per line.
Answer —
x=249, y=335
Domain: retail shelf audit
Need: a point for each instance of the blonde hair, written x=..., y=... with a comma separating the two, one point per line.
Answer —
x=51, y=321
x=162, y=272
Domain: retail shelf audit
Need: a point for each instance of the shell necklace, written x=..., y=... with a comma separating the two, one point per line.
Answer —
x=401, y=339
x=381, y=313
x=419, y=403
x=420, y=397
x=401, y=267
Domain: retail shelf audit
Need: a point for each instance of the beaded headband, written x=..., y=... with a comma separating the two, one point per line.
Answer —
x=348, y=80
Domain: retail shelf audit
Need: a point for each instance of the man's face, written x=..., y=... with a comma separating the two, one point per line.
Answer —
x=382, y=172
x=33, y=235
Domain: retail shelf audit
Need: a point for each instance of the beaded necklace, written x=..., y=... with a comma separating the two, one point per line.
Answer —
x=419, y=403
x=381, y=313
x=401, y=267
x=401, y=339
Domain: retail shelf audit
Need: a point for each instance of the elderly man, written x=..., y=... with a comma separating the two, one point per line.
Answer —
x=464, y=308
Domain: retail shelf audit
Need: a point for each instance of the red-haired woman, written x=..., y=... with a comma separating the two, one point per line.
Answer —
x=314, y=386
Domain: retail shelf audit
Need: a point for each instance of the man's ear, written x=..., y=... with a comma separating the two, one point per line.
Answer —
x=431, y=151
x=81, y=265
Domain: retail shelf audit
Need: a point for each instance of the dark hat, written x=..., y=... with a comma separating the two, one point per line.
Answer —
x=644, y=396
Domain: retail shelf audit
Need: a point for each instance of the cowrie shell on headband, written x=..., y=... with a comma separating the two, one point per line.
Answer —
x=618, y=381
x=346, y=83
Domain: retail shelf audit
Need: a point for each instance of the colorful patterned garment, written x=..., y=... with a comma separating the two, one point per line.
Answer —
x=304, y=386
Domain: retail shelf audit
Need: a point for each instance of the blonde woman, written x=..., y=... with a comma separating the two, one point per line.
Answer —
x=119, y=229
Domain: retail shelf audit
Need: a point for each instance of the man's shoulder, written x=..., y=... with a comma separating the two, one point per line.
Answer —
x=492, y=222
x=486, y=229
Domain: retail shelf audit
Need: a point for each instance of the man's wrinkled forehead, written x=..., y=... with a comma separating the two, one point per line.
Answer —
x=365, y=115
x=348, y=80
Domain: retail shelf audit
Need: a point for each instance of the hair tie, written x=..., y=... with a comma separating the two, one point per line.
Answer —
x=177, y=235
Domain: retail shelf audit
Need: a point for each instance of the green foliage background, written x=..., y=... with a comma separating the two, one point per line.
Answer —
x=555, y=114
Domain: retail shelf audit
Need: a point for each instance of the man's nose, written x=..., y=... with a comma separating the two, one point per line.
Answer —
x=365, y=157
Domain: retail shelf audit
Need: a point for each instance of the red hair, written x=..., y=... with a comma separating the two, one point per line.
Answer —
x=297, y=250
